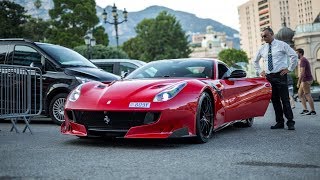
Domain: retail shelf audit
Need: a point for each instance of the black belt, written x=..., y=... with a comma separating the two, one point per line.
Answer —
x=274, y=74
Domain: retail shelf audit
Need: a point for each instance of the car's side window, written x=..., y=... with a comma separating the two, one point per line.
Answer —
x=25, y=56
x=3, y=52
x=223, y=71
x=106, y=67
x=126, y=67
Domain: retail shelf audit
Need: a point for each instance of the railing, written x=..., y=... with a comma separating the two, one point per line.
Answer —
x=20, y=94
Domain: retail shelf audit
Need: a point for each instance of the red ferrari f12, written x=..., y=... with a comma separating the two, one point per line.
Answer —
x=167, y=99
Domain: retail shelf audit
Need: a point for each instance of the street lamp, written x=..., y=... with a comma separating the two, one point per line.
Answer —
x=89, y=41
x=115, y=19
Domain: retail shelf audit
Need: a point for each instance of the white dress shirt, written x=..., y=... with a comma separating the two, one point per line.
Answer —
x=280, y=53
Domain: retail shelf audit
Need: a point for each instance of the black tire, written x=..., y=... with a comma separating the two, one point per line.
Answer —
x=56, y=108
x=204, y=118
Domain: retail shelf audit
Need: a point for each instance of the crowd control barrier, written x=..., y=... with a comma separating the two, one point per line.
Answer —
x=20, y=94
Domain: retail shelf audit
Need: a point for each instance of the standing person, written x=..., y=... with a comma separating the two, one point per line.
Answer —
x=275, y=54
x=290, y=89
x=304, y=82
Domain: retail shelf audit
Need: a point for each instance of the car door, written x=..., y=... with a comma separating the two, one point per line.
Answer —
x=242, y=97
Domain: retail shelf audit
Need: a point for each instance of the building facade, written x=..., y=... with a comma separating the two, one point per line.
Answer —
x=209, y=45
x=255, y=15
x=299, y=15
x=307, y=37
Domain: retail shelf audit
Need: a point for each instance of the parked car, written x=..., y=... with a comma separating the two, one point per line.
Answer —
x=119, y=67
x=315, y=93
x=167, y=99
x=62, y=70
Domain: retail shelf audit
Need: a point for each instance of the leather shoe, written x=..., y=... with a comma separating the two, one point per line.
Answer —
x=291, y=127
x=278, y=126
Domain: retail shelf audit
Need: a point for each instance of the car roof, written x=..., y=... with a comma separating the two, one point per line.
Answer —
x=134, y=61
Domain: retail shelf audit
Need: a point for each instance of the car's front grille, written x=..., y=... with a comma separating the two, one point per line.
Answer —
x=110, y=120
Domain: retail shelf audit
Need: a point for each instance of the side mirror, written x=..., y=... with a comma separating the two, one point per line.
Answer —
x=125, y=74
x=38, y=65
x=237, y=74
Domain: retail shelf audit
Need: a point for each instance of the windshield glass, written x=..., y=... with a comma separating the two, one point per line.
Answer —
x=66, y=57
x=192, y=68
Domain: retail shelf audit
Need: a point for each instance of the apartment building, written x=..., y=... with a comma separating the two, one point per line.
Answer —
x=302, y=16
x=255, y=15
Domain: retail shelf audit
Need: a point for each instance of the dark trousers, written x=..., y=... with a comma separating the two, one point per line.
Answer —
x=280, y=98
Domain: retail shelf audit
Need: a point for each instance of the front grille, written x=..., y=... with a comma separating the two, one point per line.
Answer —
x=109, y=120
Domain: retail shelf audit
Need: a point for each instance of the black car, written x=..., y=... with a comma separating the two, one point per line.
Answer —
x=62, y=70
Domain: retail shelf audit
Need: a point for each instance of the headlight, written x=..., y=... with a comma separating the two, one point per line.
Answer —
x=83, y=80
x=170, y=92
x=75, y=94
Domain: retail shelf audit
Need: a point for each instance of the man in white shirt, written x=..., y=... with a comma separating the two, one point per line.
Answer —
x=275, y=55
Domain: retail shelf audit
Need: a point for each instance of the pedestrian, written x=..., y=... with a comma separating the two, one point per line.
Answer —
x=290, y=89
x=276, y=67
x=304, y=82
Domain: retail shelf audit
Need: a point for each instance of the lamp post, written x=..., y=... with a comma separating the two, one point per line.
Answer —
x=89, y=41
x=116, y=21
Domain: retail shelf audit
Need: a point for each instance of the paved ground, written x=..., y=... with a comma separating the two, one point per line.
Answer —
x=233, y=153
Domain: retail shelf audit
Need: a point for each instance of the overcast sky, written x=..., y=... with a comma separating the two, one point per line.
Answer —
x=223, y=11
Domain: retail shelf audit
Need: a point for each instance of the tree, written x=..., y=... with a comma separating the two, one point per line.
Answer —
x=159, y=38
x=12, y=18
x=232, y=56
x=100, y=35
x=70, y=21
x=35, y=29
x=102, y=52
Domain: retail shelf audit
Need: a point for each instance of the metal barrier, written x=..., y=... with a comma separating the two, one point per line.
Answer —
x=20, y=94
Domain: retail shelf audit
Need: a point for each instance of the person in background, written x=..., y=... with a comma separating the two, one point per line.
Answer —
x=275, y=54
x=290, y=89
x=304, y=82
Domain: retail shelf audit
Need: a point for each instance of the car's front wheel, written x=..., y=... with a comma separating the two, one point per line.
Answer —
x=204, y=118
x=56, y=108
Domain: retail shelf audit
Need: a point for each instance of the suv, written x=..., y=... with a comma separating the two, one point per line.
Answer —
x=121, y=67
x=62, y=70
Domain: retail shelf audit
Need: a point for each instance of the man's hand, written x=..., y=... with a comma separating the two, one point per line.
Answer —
x=284, y=72
x=263, y=74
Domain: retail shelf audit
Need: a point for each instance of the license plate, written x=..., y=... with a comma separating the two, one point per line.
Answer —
x=139, y=105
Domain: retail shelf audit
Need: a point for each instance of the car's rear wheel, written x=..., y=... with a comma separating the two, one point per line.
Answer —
x=204, y=118
x=56, y=108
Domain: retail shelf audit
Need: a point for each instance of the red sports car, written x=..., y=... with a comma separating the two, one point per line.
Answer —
x=167, y=99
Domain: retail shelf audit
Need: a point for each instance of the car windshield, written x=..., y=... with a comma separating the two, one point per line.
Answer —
x=176, y=68
x=65, y=56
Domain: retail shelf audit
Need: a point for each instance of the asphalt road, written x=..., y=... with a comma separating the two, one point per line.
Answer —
x=233, y=153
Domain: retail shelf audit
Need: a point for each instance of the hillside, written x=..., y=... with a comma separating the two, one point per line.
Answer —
x=189, y=22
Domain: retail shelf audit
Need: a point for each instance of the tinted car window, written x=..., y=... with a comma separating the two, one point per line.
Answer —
x=66, y=57
x=223, y=71
x=3, y=51
x=25, y=56
x=127, y=67
x=107, y=67
x=174, y=68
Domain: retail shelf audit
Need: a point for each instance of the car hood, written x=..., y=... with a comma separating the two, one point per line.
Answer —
x=138, y=89
x=91, y=73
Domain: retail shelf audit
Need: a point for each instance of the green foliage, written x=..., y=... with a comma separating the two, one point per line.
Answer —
x=101, y=37
x=35, y=29
x=159, y=38
x=133, y=47
x=102, y=52
x=70, y=21
x=232, y=56
x=12, y=18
